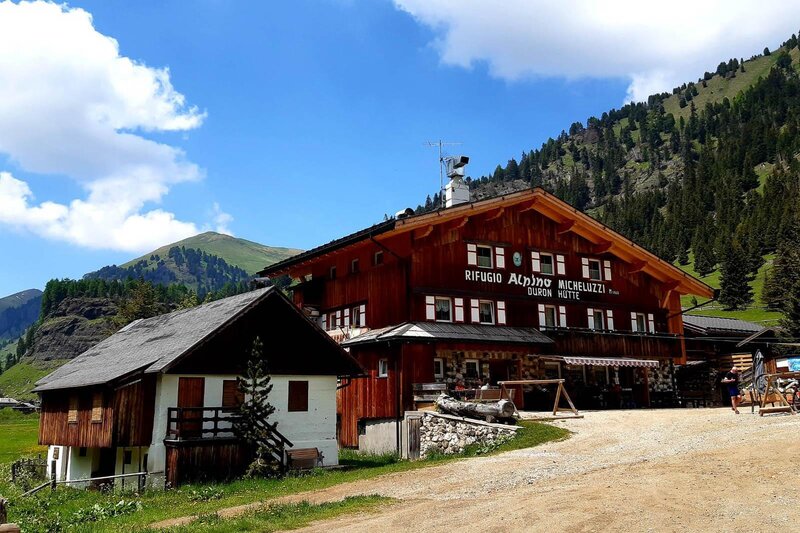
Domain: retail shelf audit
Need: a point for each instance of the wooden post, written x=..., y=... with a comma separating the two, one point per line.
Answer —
x=52, y=475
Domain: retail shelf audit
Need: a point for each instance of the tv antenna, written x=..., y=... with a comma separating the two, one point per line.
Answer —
x=439, y=144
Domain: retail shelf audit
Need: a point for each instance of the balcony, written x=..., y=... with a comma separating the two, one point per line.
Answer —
x=597, y=343
x=200, y=423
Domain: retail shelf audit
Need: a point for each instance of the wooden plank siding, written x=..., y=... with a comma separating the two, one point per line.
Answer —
x=127, y=416
x=203, y=461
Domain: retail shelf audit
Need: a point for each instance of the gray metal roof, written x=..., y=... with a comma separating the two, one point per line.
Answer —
x=706, y=324
x=149, y=345
x=420, y=331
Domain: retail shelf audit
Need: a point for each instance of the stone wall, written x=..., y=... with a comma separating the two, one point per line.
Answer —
x=447, y=434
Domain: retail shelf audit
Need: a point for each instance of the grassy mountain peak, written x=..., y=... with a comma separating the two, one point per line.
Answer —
x=247, y=255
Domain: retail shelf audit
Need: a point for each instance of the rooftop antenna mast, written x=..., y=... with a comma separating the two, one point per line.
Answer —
x=439, y=144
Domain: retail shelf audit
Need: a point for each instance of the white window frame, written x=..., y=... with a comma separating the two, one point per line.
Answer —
x=552, y=257
x=436, y=300
x=383, y=368
x=543, y=310
x=332, y=273
x=477, y=363
x=375, y=257
x=493, y=313
x=589, y=262
x=592, y=316
x=355, y=266
x=440, y=374
x=478, y=248
x=635, y=322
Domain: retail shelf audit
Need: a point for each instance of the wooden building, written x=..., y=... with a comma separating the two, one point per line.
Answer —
x=159, y=395
x=517, y=286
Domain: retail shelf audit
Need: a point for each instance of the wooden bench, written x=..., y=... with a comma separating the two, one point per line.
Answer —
x=303, y=458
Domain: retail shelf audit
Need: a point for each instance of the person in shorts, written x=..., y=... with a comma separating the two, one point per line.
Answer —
x=731, y=379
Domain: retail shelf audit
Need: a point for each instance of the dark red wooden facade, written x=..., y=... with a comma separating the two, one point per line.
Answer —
x=393, y=269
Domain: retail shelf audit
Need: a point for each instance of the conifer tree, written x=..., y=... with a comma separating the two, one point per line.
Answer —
x=791, y=315
x=735, y=290
x=252, y=424
x=785, y=270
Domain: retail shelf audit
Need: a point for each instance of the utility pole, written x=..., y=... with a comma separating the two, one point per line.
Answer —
x=439, y=144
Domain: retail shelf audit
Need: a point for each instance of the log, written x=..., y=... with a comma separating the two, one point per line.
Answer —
x=502, y=410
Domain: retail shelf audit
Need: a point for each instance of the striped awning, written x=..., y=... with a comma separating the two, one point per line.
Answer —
x=610, y=361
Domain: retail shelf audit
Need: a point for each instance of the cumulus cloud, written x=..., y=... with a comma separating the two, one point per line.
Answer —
x=71, y=105
x=222, y=220
x=653, y=45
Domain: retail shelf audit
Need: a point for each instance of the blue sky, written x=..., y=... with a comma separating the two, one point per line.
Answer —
x=310, y=122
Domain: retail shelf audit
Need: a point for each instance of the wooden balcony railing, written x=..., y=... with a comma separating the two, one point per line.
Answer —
x=193, y=423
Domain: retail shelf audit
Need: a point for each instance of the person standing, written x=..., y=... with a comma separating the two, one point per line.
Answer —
x=731, y=379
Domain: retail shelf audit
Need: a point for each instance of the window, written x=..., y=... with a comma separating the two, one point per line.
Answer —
x=549, y=316
x=354, y=266
x=97, y=407
x=438, y=368
x=596, y=319
x=485, y=256
x=357, y=315
x=127, y=457
x=552, y=370
x=383, y=368
x=546, y=264
x=471, y=368
x=594, y=270
x=377, y=259
x=232, y=397
x=72, y=413
x=82, y=451
x=444, y=312
x=486, y=312
x=639, y=322
x=332, y=273
x=298, y=396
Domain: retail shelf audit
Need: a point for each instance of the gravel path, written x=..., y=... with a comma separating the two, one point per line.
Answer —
x=646, y=470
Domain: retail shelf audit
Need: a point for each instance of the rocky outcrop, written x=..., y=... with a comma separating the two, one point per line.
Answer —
x=447, y=435
x=76, y=325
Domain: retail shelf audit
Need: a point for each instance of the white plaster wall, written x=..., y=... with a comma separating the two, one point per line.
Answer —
x=81, y=467
x=61, y=462
x=315, y=428
x=137, y=453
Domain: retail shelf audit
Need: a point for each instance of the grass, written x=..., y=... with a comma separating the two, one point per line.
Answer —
x=755, y=313
x=287, y=516
x=248, y=255
x=20, y=433
x=66, y=508
x=17, y=381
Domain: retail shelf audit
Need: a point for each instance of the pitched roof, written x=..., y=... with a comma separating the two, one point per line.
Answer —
x=153, y=344
x=712, y=324
x=420, y=331
x=539, y=200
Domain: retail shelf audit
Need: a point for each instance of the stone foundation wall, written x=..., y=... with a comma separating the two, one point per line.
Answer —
x=446, y=434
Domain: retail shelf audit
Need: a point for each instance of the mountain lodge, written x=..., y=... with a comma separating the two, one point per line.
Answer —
x=520, y=286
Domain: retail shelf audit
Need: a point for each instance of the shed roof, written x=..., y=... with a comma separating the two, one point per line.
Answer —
x=153, y=344
x=420, y=331
x=713, y=324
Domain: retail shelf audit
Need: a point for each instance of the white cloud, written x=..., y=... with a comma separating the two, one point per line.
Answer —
x=71, y=105
x=222, y=220
x=654, y=45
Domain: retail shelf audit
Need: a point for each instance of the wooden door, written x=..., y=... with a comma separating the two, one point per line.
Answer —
x=413, y=437
x=190, y=395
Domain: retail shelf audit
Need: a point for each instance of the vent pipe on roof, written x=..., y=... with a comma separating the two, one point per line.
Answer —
x=456, y=191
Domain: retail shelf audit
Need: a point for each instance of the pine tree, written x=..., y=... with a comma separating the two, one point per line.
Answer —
x=785, y=270
x=22, y=347
x=141, y=303
x=252, y=424
x=791, y=315
x=9, y=360
x=735, y=290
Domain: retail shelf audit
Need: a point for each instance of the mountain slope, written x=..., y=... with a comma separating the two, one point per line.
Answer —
x=247, y=255
x=18, y=311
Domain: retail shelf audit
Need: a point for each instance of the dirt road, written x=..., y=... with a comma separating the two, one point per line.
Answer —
x=646, y=470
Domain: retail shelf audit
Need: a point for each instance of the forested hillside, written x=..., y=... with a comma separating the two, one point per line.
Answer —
x=708, y=171
x=17, y=312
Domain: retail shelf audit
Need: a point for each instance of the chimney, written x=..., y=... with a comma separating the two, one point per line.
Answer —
x=456, y=191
